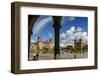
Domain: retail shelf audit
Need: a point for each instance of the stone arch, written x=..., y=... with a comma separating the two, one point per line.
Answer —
x=57, y=20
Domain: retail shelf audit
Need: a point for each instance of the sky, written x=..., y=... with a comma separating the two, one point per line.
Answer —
x=43, y=27
x=71, y=28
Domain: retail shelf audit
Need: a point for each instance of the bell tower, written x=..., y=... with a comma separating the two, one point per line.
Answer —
x=39, y=43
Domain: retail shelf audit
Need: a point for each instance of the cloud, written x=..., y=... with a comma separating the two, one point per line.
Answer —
x=32, y=40
x=71, y=30
x=73, y=33
x=50, y=35
x=71, y=18
x=40, y=24
x=67, y=19
x=79, y=29
x=63, y=36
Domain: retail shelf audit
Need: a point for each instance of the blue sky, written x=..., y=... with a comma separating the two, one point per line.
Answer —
x=70, y=21
x=43, y=27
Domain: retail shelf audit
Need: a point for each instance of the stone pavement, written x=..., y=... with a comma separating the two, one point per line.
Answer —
x=65, y=55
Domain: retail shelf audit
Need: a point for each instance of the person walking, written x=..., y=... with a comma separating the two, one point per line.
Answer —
x=37, y=55
x=34, y=56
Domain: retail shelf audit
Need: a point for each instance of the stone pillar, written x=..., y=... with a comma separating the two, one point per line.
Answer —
x=57, y=20
x=31, y=20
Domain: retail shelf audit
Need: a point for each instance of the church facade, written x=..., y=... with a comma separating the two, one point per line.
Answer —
x=79, y=46
x=42, y=45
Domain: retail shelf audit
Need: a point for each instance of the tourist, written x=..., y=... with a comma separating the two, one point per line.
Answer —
x=37, y=56
x=34, y=56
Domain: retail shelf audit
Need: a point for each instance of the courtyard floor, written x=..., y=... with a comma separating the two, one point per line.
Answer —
x=64, y=55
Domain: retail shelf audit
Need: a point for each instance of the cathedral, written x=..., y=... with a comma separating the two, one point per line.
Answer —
x=42, y=45
x=79, y=46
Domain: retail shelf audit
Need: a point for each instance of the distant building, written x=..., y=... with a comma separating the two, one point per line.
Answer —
x=42, y=45
x=79, y=46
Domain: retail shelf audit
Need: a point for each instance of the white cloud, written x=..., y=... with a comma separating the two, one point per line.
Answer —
x=73, y=33
x=62, y=45
x=71, y=18
x=32, y=40
x=64, y=19
x=63, y=36
x=70, y=31
x=72, y=28
x=42, y=23
x=50, y=35
x=79, y=29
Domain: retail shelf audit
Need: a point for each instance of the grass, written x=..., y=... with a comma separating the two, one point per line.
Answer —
x=40, y=51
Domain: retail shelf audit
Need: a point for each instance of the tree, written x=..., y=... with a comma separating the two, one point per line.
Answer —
x=70, y=48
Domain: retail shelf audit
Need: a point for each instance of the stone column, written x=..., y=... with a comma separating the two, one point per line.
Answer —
x=31, y=21
x=57, y=20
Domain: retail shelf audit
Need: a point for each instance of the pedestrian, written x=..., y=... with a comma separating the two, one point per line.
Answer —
x=37, y=56
x=34, y=56
x=74, y=56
